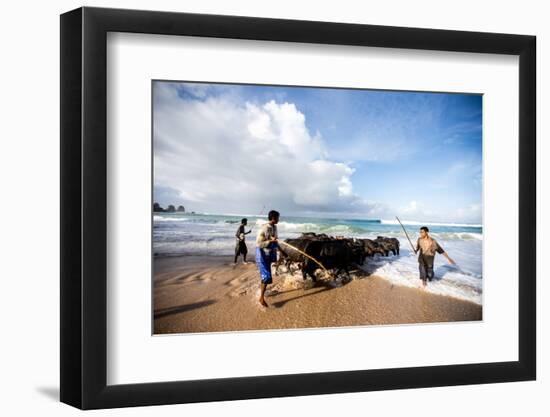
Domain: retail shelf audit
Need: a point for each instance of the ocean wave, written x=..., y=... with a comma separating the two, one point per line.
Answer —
x=290, y=227
x=416, y=223
x=211, y=246
x=298, y=227
x=169, y=219
x=458, y=235
x=338, y=228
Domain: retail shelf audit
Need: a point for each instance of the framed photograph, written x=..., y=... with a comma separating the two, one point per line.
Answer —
x=257, y=207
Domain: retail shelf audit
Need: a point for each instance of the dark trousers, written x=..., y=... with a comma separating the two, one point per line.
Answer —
x=426, y=271
x=240, y=248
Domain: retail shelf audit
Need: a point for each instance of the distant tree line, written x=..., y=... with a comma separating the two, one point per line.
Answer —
x=171, y=209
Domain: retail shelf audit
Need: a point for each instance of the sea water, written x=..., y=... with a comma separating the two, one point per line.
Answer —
x=177, y=234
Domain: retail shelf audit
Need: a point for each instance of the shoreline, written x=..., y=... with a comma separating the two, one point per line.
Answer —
x=200, y=293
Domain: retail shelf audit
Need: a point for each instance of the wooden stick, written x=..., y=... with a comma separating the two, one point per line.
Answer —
x=406, y=234
x=261, y=212
x=303, y=253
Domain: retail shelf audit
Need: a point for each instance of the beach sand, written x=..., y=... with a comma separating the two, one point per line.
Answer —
x=210, y=294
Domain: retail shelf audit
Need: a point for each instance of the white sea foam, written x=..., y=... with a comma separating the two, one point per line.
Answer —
x=291, y=227
x=169, y=219
x=416, y=223
x=458, y=235
x=338, y=229
x=297, y=227
x=463, y=281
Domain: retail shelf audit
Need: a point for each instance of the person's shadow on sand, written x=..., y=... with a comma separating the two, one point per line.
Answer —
x=180, y=309
x=320, y=286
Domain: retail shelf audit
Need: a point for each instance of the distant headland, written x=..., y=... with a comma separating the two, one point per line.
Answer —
x=170, y=209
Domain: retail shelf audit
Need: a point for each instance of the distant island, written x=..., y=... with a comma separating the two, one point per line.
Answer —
x=171, y=209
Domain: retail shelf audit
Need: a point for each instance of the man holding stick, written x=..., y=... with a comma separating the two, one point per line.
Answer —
x=240, y=246
x=427, y=246
x=266, y=251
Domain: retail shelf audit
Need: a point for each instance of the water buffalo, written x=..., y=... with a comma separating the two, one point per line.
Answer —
x=288, y=256
x=372, y=247
x=332, y=253
x=388, y=244
x=315, y=236
x=357, y=250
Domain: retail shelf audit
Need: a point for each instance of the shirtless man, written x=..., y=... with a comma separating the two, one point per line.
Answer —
x=427, y=246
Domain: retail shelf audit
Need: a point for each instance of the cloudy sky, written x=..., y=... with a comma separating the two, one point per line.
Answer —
x=222, y=148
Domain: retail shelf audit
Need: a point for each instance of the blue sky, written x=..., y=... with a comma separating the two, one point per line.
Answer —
x=368, y=153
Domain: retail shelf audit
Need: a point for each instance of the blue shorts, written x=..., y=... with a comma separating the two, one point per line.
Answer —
x=264, y=259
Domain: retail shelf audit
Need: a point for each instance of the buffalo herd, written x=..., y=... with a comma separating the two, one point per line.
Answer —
x=331, y=253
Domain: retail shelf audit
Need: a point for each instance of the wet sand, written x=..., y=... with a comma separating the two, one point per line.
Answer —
x=210, y=294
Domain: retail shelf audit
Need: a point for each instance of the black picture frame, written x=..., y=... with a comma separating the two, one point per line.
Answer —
x=84, y=207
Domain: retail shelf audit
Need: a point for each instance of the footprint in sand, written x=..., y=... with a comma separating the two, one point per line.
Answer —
x=241, y=288
x=237, y=281
x=238, y=292
x=193, y=279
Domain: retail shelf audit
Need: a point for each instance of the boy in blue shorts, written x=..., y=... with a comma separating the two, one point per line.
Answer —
x=266, y=251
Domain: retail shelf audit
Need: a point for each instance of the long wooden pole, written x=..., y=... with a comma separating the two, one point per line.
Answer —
x=303, y=253
x=261, y=212
x=406, y=234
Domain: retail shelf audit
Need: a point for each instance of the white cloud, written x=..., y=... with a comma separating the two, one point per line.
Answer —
x=415, y=210
x=225, y=156
x=470, y=214
x=418, y=211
